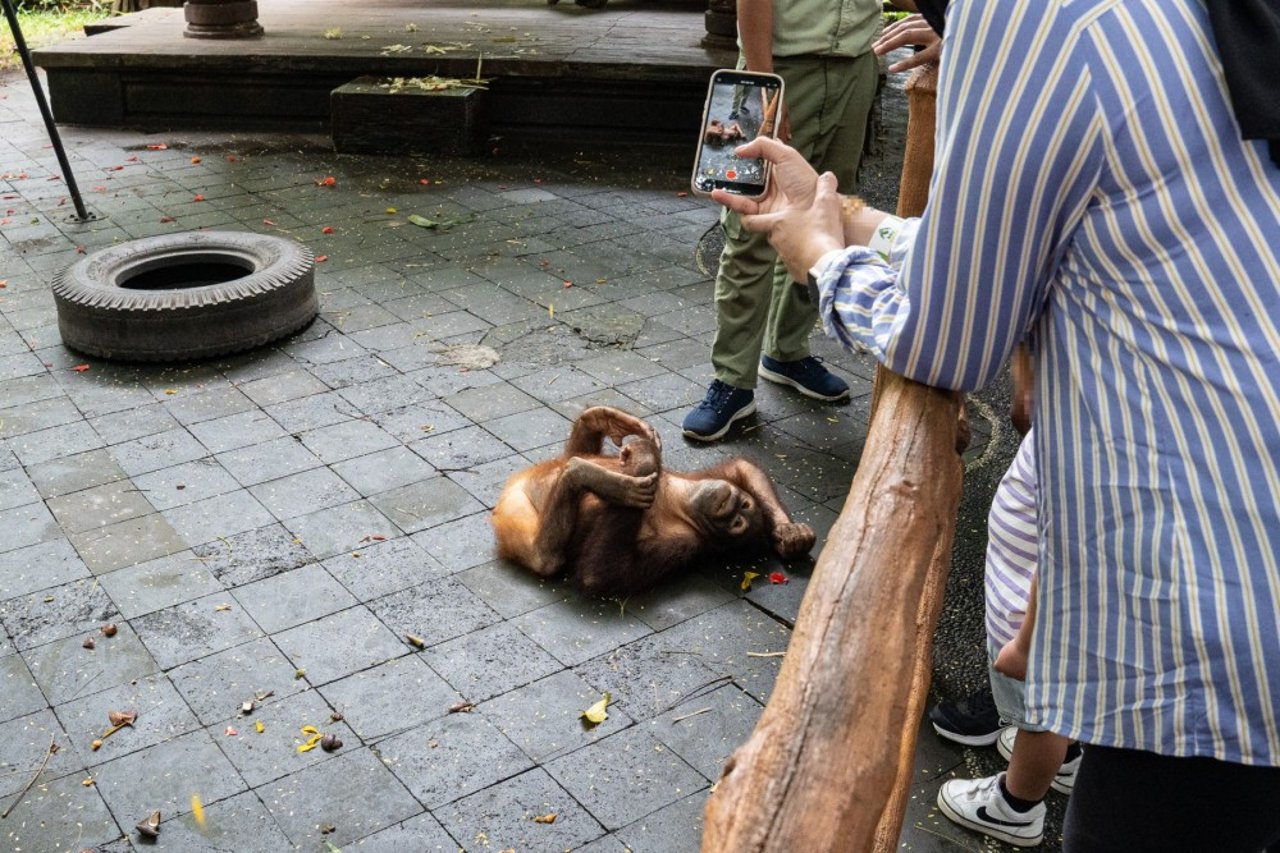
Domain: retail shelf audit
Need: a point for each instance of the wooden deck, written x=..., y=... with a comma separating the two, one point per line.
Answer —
x=636, y=70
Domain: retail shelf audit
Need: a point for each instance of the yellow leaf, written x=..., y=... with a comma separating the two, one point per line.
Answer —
x=259, y=727
x=597, y=713
x=197, y=810
x=171, y=391
x=747, y=578
x=310, y=730
x=312, y=743
x=392, y=211
x=551, y=311
x=221, y=608
x=545, y=818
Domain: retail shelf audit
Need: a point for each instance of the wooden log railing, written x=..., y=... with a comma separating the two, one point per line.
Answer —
x=828, y=766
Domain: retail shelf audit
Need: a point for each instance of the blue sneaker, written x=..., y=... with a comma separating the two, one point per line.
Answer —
x=807, y=376
x=723, y=405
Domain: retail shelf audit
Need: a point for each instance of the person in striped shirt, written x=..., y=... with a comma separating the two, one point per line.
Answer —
x=1092, y=190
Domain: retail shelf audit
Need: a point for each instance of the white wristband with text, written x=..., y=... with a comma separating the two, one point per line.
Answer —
x=886, y=232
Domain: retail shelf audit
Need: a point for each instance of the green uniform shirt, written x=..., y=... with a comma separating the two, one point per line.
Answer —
x=825, y=27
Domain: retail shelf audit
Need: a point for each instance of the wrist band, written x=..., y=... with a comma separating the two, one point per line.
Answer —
x=886, y=232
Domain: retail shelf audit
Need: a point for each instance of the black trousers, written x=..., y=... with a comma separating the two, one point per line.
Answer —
x=1131, y=801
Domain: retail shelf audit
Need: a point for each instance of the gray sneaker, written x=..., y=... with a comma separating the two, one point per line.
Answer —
x=977, y=804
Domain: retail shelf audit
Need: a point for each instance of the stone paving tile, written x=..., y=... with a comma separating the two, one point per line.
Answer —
x=130, y=424
x=161, y=715
x=459, y=544
x=706, y=729
x=340, y=644
x=391, y=697
x=382, y=471
x=55, y=443
x=262, y=757
x=78, y=607
x=346, y=440
x=580, y=628
x=65, y=670
x=461, y=448
x=127, y=543
x=545, y=718
x=216, y=686
x=434, y=610
x=625, y=777
x=19, y=693
x=289, y=599
x=165, y=777
x=252, y=555
x=676, y=828
x=153, y=452
x=99, y=506
x=354, y=793
x=218, y=517
x=267, y=461
x=425, y=504
x=422, y=833
x=194, y=629
x=486, y=482
x=491, y=661
x=306, y=491
x=25, y=570
x=282, y=387
x=239, y=823
x=242, y=429
x=27, y=525
x=650, y=675
x=510, y=590
x=74, y=473
x=381, y=567
x=27, y=740
x=505, y=813
x=339, y=529
x=59, y=814
x=451, y=757
x=185, y=484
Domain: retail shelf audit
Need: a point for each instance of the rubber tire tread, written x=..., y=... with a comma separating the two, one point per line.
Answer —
x=275, y=299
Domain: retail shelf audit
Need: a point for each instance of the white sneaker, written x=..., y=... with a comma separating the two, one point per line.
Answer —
x=1065, y=780
x=977, y=804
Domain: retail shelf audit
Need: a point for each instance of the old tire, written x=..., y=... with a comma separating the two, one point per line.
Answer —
x=186, y=296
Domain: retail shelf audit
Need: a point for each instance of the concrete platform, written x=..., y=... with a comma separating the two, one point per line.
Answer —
x=633, y=72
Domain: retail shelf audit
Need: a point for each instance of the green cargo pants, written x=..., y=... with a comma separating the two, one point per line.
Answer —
x=757, y=305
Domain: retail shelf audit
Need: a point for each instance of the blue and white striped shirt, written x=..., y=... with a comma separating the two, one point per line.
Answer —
x=1092, y=191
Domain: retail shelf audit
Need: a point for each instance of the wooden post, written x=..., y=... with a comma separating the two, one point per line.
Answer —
x=828, y=767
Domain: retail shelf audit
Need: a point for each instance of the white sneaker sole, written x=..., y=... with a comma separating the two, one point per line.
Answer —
x=966, y=740
x=954, y=816
x=777, y=378
x=746, y=411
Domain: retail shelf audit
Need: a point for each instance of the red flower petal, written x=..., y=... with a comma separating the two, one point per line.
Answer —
x=328, y=229
x=320, y=259
x=198, y=197
x=777, y=577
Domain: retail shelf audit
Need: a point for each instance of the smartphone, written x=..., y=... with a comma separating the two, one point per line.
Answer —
x=741, y=105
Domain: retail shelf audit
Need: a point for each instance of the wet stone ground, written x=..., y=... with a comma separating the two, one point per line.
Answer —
x=271, y=527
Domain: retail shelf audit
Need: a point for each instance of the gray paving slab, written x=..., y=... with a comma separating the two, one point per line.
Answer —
x=45, y=564
x=281, y=748
x=78, y=607
x=373, y=701
x=58, y=814
x=527, y=812
x=216, y=687
x=339, y=644
x=545, y=718
x=19, y=693
x=64, y=669
x=195, y=629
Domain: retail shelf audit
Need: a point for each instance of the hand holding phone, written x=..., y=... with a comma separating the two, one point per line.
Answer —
x=741, y=106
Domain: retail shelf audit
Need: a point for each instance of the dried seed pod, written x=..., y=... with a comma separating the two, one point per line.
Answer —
x=122, y=718
x=150, y=827
x=336, y=717
x=109, y=629
x=88, y=643
x=96, y=745
x=330, y=743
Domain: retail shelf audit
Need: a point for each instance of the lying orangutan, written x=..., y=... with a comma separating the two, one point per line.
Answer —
x=621, y=523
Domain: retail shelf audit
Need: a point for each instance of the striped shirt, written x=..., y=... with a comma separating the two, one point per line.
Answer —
x=1012, y=546
x=1092, y=191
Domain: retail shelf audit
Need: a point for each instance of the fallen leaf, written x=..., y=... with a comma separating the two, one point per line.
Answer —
x=463, y=707
x=195, y=159
x=598, y=712
x=545, y=818
x=197, y=810
x=269, y=223
x=246, y=707
x=96, y=745
x=197, y=197
x=169, y=392
x=312, y=741
x=568, y=284
x=391, y=211
x=231, y=158
x=221, y=608
x=320, y=259
x=231, y=731
x=422, y=221
x=167, y=219
x=299, y=673
x=426, y=182
x=87, y=782
x=333, y=34
x=259, y=727
x=747, y=578
x=80, y=368
x=158, y=146
x=415, y=641
x=778, y=577
x=79, y=250
x=326, y=181
x=133, y=159
x=682, y=194
x=328, y=229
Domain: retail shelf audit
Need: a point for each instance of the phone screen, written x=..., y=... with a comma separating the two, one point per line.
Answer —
x=740, y=107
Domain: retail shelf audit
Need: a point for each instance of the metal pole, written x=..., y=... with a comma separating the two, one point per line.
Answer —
x=12, y=15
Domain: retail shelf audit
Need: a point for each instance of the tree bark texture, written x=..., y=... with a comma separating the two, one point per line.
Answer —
x=820, y=767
